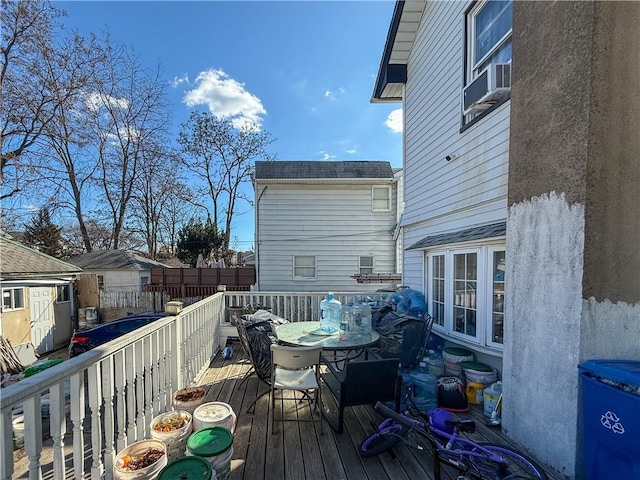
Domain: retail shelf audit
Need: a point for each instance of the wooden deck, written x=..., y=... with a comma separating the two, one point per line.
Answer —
x=297, y=450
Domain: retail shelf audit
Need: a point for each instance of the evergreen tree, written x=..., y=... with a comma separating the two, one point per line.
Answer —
x=197, y=238
x=44, y=235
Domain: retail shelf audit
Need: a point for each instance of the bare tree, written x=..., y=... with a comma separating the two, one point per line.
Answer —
x=130, y=113
x=222, y=157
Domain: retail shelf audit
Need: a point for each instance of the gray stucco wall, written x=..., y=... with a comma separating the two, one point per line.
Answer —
x=573, y=284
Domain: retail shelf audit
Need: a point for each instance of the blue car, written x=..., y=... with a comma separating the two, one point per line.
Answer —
x=84, y=340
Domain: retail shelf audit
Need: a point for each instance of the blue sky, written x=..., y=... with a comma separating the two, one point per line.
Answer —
x=303, y=71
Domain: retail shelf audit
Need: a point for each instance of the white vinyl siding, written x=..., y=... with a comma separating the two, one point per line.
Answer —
x=334, y=223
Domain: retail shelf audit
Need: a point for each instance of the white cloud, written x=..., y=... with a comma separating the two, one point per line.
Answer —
x=327, y=155
x=177, y=81
x=226, y=98
x=352, y=151
x=394, y=121
x=95, y=101
x=331, y=95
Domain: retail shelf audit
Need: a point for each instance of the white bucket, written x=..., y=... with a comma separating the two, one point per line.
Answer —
x=91, y=314
x=188, y=399
x=18, y=431
x=214, y=444
x=82, y=318
x=121, y=472
x=174, y=438
x=214, y=414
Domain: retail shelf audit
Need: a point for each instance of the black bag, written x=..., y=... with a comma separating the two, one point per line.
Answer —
x=451, y=394
x=402, y=337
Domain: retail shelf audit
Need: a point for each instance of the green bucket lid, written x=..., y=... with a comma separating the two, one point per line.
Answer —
x=186, y=468
x=476, y=366
x=458, y=352
x=210, y=441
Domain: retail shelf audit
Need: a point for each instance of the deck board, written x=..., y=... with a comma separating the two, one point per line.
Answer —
x=299, y=450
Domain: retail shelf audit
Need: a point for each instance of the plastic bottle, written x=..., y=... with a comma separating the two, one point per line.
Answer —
x=435, y=363
x=356, y=320
x=365, y=324
x=346, y=321
x=424, y=384
x=491, y=395
x=330, y=314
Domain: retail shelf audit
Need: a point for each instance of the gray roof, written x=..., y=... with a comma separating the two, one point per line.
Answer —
x=114, y=260
x=269, y=170
x=19, y=261
x=467, y=235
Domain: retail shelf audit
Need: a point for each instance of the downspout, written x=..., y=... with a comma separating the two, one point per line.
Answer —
x=257, y=234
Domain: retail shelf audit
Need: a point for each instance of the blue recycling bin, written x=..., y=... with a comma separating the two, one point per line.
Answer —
x=611, y=419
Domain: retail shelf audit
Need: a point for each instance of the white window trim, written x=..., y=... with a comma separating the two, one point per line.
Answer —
x=293, y=268
x=13, y=308
x=372, y=266
x=483, y=339
x=380, y=187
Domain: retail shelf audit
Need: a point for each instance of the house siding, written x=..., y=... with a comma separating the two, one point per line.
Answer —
x=333, y=222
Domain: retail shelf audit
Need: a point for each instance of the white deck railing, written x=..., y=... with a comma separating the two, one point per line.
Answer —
x=104, y=399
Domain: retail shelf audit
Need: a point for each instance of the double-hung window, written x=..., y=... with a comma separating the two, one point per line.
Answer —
x=12, y=299
x=304, y=267
x=465, y=292
x=381, y=199
x=366, y=265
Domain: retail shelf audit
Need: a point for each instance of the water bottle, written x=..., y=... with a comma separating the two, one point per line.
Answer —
x=329, y=314
x=365, y=325
x=424, y=385
x=435, y=363
x=356, y=320
x=346, y=321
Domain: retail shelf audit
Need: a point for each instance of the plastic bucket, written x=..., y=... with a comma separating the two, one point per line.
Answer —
x=138, y=449
x=214, y=444
x=166, y=428
x=453, y=357
x=479, y=372
x=188, y=399
x=18, y=431
x=214, y=414
x=491, y=395
x=82, y=318
x=475, y=393
x=91, y=316
x=187, y=468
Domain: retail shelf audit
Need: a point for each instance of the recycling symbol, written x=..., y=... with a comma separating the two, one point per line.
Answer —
x=611, y=421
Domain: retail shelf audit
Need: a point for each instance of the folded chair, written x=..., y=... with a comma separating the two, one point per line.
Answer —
x=296, y=369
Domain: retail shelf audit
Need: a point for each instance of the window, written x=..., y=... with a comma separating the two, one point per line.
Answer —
x=465, y=292
x=488, y=35
x=63, y=293
x=12, y=299
x=100, y=282
x=381, y=199
x=366, y=265
x=304, y=267
x=144, y=280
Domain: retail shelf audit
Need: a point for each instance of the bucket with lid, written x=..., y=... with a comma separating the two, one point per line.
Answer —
x=214, y=444
x=453, y=357
x=18, y=431
x=173, y=429
x=479, y=372
x=188, y=399
x=141, y=460
x=187, y=468
x=213, y=414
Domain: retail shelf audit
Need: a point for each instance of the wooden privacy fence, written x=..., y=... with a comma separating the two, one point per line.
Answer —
x=200, y=282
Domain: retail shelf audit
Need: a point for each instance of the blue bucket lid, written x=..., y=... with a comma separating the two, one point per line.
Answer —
x=621, y=371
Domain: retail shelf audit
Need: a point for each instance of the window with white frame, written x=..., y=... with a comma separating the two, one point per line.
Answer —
x=304, y=267
x=381, y=199
x=100, y=282
x=12, y=299
x=488, y=35
x=144, y=280
x=465, y=292
x=63, y=293
x=366, y=265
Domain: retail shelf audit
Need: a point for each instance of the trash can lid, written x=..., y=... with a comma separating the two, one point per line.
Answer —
x=621, y=371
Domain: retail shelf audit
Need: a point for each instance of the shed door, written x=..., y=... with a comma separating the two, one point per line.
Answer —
x=41, y=306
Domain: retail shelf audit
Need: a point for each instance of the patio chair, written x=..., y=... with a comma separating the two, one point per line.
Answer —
x=296, y=369
x=360, y=383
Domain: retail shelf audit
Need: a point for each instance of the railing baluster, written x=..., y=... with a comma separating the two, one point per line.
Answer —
x=139, y=386
x=156, y=402
x=77, y=419
x=58, y=427
x=108, y=391
x=95, y=397
x=33, y=435
x=148, y=383
x=130, y=396
x=6, y=444
x=120, y=394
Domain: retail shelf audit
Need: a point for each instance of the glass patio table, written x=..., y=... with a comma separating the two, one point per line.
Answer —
x=308, y=334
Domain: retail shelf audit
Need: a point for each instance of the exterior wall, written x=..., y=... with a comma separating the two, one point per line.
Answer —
x=121, y=280
x=333, y=222
x=573, y=263
x=63, y=314
x=15, y=324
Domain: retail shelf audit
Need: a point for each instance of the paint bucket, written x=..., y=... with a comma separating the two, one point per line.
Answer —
x=479, y=372
x=453, y=357
x=91, y=314
x=188, y=399
x=474, y=393
x=188, y=468
x=214, y=444
x=82, y=318
x=214, y=414
x=18, y=431
x=173, y=429
x=137, y=449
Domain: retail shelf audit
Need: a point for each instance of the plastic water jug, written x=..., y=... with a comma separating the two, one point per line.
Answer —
x=424, y=386
x=346, y=322
x=330, y=314
x=491, y=395
x=435, y=363
x=365, y=323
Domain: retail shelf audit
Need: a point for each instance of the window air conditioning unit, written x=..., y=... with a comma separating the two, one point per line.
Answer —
x=492, y=84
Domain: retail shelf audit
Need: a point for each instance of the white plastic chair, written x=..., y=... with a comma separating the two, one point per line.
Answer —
x=296, y=369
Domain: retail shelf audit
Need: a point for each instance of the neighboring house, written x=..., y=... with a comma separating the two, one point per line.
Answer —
x=37, y=297
x=319, y=223
x=117, y=270
x=522, y=218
